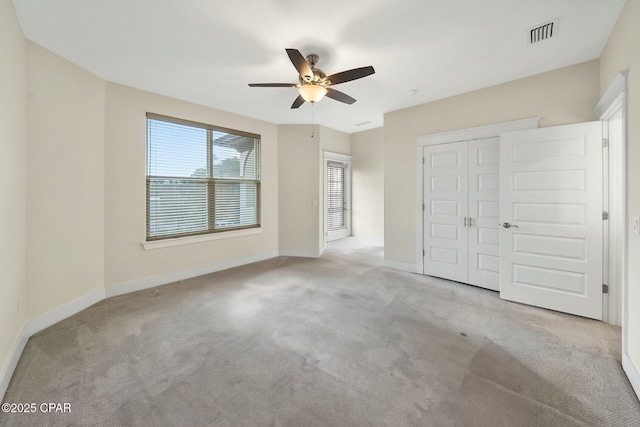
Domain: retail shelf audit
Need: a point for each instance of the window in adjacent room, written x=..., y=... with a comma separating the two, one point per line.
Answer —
x=200, y=178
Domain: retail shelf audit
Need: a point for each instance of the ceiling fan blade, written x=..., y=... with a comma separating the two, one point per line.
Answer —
x=347, y=76
x=272, y=84
x=299, y=62
x=340, y=96
x=298, y=102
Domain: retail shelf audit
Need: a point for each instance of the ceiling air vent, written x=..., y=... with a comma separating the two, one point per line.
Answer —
x=542, y=32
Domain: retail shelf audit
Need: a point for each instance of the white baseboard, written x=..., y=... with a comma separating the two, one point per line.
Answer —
x=10, y=366
x=163, y=279
x=36, y=325
x=403, y=266
x=304, y=253
x=54, y=316
x=372, y=240
x=632, y=373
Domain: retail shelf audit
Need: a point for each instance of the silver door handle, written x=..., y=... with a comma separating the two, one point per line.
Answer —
x=465, y=221
x=507, y=225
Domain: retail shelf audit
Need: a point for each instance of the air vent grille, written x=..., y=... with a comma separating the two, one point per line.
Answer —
x=542, y=32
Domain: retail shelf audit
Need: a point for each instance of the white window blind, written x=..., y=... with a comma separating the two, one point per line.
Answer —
x=200, y=178
x=336, y=196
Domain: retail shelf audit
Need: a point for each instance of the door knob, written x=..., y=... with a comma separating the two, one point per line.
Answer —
x=507, y=225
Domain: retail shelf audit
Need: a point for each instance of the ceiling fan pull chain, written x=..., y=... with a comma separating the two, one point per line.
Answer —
x=313, y=120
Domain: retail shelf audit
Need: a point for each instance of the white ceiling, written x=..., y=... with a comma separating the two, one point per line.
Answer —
x=207, y=51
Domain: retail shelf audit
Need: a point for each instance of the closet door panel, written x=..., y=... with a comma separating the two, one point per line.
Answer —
x=484, y=211
x=446, y=180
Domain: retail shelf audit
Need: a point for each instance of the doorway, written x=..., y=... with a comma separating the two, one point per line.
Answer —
x=612, y=110
x=337, y=196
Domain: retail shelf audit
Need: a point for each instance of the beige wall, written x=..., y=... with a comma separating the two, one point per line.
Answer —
x=13, y=64
x=301, y=174
x=562, y=96
x=623, y=52
x=125, y=156
x=65, y=181
x=299, y=183
x=367, y=151
x=334, y=141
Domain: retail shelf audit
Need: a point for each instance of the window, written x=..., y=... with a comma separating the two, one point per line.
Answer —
x=200, y=179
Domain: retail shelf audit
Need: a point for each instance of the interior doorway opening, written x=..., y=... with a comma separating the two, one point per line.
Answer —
x=337, y=196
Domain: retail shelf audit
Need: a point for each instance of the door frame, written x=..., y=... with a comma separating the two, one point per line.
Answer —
x=614, y=101
x=329, y=156
x=480, y=132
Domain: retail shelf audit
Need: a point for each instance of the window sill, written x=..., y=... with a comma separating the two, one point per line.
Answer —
x=156, y=244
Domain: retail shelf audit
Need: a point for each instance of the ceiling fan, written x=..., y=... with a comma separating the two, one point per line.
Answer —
x=314, y=83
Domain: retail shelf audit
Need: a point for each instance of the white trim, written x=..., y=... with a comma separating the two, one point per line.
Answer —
x=617, y=85
x=40, y=323
x=301, y=253
x=54, y=316
x=338, y=157
x=480, y=132
x=155, y=244
x=403, y=266
x=163, y=279
x=632, y=373
x=615, y=244
x=10, y=366
x=607, y=236
x=420, y=207
x=614, y=101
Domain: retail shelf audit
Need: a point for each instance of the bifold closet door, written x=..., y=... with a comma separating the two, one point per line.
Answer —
x=445, y=175
x=484, y=213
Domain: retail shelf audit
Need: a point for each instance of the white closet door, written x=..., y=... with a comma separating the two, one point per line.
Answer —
x=484, y=211
x=446, y=205
x=551, y=209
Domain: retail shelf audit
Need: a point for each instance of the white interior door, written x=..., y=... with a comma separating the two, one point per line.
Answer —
x=445, y=197
x=551, y=212
x=484, y=213
x=337, y=200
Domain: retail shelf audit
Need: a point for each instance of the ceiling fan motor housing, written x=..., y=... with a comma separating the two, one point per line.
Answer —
x=318, y=77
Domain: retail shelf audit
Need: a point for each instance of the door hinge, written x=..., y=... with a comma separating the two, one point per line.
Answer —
x=423, y=208
x=605, y=142
x=423, y=161
x=605, y=289
x=605, y=215
x=423, y=253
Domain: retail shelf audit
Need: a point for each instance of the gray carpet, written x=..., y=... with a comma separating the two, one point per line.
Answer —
x=336, y=341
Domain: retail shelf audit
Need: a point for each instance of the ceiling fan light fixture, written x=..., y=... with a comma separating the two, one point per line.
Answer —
x=313, y=81
x=312, y=93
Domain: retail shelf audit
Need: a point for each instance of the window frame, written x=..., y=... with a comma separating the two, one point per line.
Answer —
x=209, y=181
